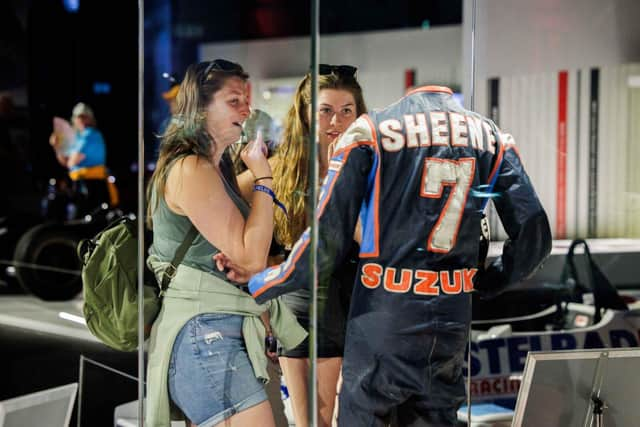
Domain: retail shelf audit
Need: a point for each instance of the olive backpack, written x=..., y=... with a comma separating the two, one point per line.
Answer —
x=110, y=283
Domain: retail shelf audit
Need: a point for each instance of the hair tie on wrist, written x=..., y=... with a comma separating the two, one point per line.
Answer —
x=255, y=181
x=270, y=192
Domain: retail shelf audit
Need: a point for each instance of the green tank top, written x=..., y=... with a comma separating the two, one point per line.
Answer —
x=170, y=229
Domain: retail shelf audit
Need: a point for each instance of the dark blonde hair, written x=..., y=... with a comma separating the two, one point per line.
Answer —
x=186, y=133
x=290, y=174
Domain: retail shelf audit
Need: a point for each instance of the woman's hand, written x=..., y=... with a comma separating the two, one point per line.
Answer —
x=254, y=155
x=234, y=272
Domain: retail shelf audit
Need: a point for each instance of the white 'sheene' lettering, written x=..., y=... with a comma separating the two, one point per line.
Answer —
x=492, y=139
x=393, y=140
x=439, y=128
x=459, y=133
x=447, y=129
x=417, y=130
x=475, y=132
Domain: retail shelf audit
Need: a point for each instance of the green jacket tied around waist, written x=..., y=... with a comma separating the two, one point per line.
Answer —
x=193, y=292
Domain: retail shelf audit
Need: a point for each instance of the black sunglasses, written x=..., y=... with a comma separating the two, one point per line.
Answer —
x=338, y=70
x=222, y=65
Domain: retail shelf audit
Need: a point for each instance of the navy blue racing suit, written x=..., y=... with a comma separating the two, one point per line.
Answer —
x=416, y=174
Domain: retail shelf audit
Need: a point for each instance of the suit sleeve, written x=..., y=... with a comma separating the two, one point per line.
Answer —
x=526, y=224
x=346, y=185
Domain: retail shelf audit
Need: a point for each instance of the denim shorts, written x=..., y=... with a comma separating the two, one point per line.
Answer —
x=210, y=376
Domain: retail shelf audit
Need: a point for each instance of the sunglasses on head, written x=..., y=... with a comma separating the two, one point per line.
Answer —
x=338, y=70
x=222, y=65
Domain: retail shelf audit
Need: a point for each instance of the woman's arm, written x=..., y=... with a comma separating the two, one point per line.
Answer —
x=245, y=184
x=246, y=180
x=195, y=189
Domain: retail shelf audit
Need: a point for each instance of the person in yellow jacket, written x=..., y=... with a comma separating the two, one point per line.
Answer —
x=85, y=158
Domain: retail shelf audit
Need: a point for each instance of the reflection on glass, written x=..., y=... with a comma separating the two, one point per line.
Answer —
x=577, y=388
x=203, y=303
x=417, y=173
x=571, y=111
x=215, y=166
x=67, y=141
x=339, y=102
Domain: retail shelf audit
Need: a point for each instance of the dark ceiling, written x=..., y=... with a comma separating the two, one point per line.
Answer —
x=59, y=57
x=196, y=21
x=252, y=19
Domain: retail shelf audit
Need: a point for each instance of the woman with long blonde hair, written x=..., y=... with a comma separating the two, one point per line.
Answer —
x=340, y=102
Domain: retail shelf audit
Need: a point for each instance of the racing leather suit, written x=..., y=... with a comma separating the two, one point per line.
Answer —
x=416, y=174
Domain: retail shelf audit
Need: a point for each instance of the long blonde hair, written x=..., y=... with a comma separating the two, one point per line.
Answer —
x=290, y=174
x=186, y=133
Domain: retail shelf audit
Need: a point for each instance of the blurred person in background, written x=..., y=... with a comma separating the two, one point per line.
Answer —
x=84, y=155
x=170, y=97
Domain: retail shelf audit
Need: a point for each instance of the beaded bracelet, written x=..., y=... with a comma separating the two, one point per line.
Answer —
x=270, y=192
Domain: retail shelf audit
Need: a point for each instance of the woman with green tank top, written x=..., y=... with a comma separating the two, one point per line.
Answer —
x=206, y=350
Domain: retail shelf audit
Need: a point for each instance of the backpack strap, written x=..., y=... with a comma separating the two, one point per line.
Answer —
x=170, y=271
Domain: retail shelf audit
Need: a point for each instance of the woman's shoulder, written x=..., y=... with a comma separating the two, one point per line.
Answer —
x=192, y=163
x=193, y=168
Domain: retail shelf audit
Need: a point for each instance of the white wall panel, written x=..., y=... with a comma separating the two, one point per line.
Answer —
x=546, y=106
x=531, y=38
x=612, y=201
x=632, y=184
x=516, y=37
x=606, y=135
x=582, y=154
x=528, y=109
x=620, y=181
x=382, y=58
x=526, y=60
x=618, y=154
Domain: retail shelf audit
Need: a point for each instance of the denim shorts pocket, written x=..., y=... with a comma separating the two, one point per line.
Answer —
x=216, y=334
x=213, y=374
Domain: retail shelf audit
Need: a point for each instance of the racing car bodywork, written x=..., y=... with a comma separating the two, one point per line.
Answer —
x=582, y=310
x=499, y=353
